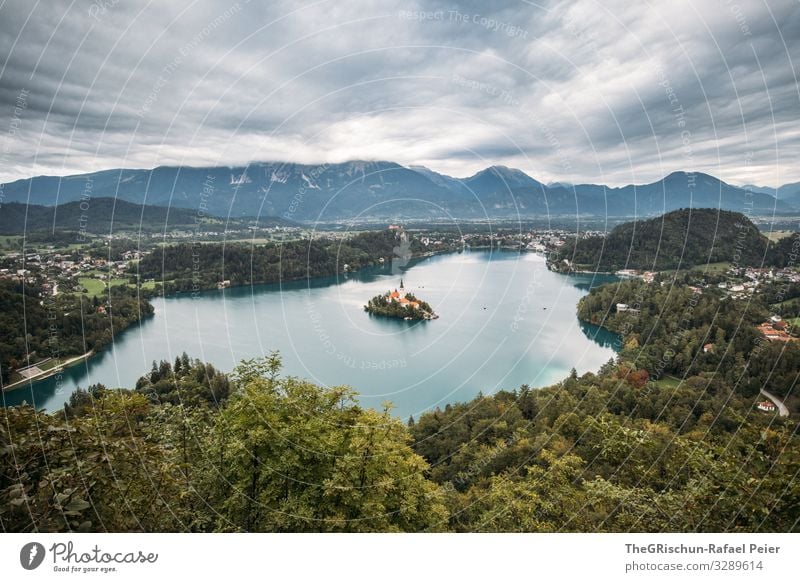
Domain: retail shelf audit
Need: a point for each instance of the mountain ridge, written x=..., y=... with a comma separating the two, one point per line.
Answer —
x=387, y=190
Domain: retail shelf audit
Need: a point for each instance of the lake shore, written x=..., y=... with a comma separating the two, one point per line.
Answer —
x=50, y=372
x=485, y=297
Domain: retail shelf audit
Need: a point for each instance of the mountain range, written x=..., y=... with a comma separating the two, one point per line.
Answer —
x=385, y=190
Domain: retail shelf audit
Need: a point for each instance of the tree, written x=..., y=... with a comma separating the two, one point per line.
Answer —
x=302, y=458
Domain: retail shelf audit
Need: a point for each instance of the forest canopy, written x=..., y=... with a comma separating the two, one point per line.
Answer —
x=678, y=239
x=190, y=449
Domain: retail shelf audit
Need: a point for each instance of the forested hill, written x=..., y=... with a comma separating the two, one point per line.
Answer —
x=96, y=216
x=678, y=239
x=102, y=216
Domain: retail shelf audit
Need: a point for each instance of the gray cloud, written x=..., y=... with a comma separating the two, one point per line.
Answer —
x=579, y=91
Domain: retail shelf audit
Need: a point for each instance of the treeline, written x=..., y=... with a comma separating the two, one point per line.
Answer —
x=186, y=266
x=33, y=327
x=676, y=330
x=186, y=451
x=678, y=239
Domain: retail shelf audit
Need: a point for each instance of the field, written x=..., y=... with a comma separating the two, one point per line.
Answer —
x=713, y=268
x=9, y=241
x=777, y=235
x=97, y=288
x=94, y=287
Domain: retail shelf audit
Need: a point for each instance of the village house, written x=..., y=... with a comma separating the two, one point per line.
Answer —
x=766, y=406
x=774, y=332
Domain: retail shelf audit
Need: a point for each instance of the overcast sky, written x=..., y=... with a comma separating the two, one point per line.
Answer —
x=577, y=91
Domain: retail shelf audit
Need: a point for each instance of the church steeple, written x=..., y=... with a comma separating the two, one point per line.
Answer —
x=401, y=284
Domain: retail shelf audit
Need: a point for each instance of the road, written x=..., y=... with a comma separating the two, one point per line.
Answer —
x=782, y=410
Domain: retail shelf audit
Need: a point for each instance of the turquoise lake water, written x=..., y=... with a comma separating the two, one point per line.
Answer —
x=505, y=320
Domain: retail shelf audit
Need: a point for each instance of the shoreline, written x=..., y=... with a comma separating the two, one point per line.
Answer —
x=48, y=373
x=75, y=359
x=177, y=294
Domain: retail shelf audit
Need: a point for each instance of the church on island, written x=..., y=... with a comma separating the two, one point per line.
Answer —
x=400, y=297
x=400, y=304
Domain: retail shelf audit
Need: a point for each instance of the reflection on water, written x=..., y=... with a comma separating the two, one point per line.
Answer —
x=601, y=336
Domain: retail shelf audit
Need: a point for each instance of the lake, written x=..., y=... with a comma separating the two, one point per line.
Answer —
x=505, y=320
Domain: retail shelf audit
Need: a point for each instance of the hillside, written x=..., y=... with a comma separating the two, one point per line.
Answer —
x=678, y=239
x=594, y=453
x=100, y=216
x=388, y=191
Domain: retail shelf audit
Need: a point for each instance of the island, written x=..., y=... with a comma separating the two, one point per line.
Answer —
x=400, y=305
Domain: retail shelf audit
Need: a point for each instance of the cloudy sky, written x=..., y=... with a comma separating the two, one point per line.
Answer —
x=611, y=92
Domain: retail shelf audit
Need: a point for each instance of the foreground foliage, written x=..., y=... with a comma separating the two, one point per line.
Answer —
x=600, y=453
x=279, y=454
x=193, y=450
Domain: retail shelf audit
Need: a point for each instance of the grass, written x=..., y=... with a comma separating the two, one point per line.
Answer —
x=70, y=246
x=97, y=288
x=713, y=268
x=787, y=302
x=49, y=365
x=94, y=287
x=9, y=239
x=668, y=382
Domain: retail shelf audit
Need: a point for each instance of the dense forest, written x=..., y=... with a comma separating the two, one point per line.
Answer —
x=96, y=216
x=186, y=266
x=785, y=252
x=33, y=328
x=191, y=450
x=678, y=239
x=277, y=454
x=675, y=329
